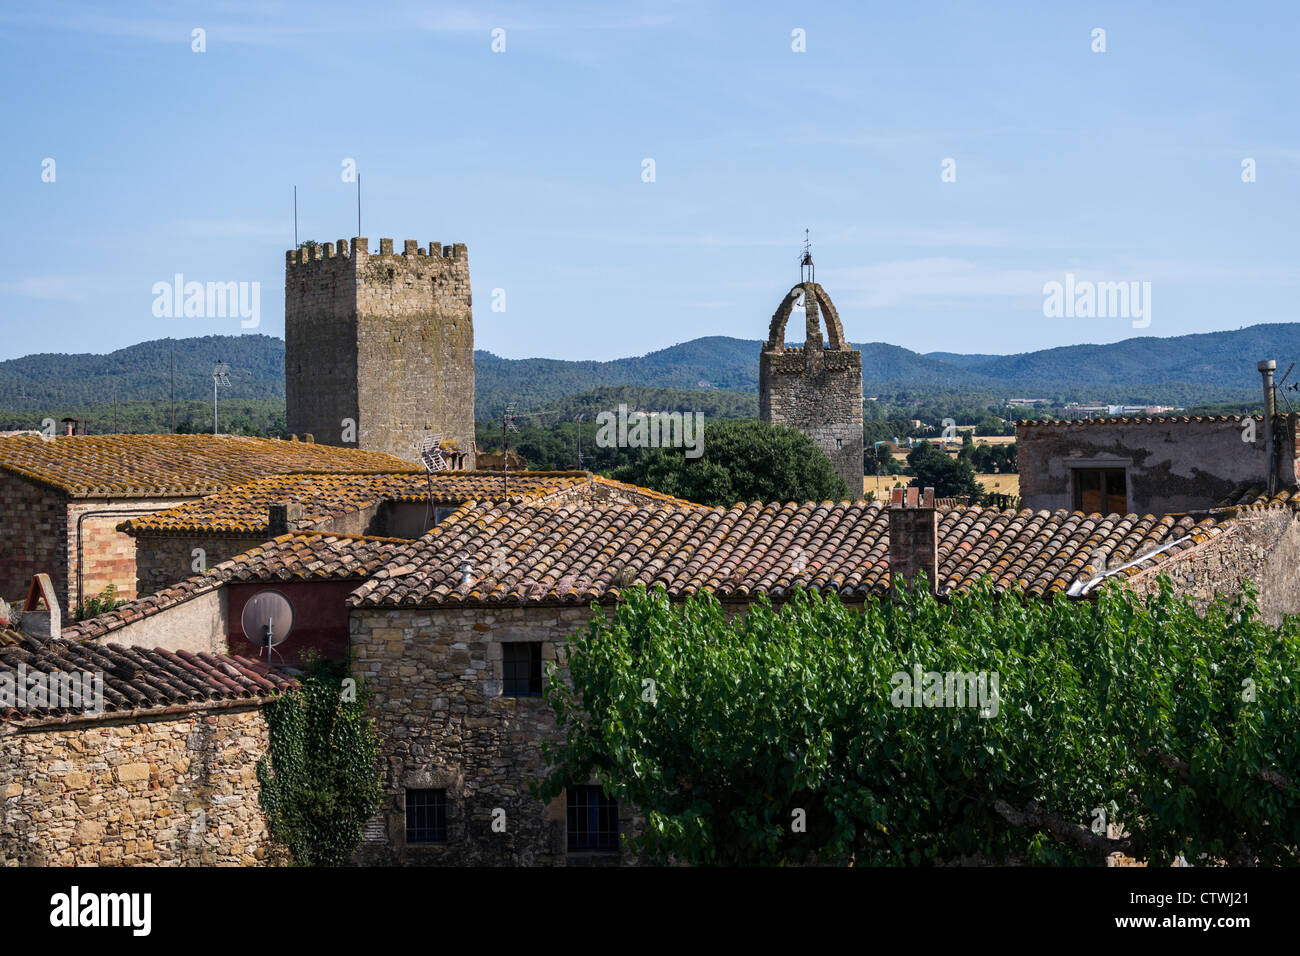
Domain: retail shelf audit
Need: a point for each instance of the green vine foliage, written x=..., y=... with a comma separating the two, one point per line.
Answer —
x=320, y=780
x=775, y=737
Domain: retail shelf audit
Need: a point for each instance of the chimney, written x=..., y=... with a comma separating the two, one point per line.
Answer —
x=281, y=519
x=913, y=538
x=37, y=622
x=1266, y=369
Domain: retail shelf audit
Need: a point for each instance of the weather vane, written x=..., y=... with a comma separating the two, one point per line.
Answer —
x=805, y=260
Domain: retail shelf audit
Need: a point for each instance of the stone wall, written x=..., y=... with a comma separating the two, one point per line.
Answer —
x=437, y=678
x=164, y=560
x=320, y=341
x=1171, y=465
x=818, y=391
x=384, y=339
x=1263, y=547
x=169, y=791
x=33, y=536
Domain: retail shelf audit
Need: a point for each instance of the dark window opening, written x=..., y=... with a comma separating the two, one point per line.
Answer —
x=1100, y=491
x=426, y=816
x=522, y=669
x=593, y=819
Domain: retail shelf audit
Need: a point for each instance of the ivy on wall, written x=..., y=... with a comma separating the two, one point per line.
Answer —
x=320, y=778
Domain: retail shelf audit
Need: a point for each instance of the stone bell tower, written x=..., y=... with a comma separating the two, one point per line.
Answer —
x=816, y=388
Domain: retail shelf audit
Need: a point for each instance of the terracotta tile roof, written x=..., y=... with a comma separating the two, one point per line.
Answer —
x=136, y=466
x=649, y=493
x=136, y=679
x=297, y=556
x=242, y=509
x=1253, y=495
x=526, y=553
x=1137, y=420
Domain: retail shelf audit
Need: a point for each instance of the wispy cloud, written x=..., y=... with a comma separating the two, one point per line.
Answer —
x=56, y=288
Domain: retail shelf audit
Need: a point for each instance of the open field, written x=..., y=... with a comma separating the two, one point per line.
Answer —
x=998, y=484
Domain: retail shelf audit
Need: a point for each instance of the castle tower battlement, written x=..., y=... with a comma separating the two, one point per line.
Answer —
x=816, y=387
x=379, y=347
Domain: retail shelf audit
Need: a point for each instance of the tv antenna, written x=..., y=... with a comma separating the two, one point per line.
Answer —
x=507, y=426
x=431, y=458
x=220, y=379
x=1293, y=387
x=578, y=419
x=266, y=620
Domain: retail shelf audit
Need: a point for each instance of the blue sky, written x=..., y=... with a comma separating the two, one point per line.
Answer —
x=1117, y=166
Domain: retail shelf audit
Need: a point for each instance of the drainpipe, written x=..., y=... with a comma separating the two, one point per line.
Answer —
x=1266, y=369
x=125, y=513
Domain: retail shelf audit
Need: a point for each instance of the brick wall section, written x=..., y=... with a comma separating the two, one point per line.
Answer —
x=115, y=793
x=439, y=709
x=913, y=545
x=1172, y=465
x=104, y=554
x=385, y=339
x=33, y=523
x=1264, y=547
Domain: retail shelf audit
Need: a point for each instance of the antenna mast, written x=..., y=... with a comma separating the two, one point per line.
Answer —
x=507, y=426
x=431, y=458
x=579, y=421
x=221, y=378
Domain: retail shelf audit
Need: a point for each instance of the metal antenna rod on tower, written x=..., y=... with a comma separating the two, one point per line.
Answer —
x=579, y=421
x=295, y=217
x=358, y=204
x=507, y=426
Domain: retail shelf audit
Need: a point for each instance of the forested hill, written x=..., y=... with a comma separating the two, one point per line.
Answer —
x=1185, y=370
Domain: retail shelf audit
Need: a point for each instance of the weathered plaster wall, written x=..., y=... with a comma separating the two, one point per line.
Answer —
x=1173, y=465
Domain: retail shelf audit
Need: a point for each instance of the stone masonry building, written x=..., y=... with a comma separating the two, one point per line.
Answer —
x=62, y=499
x=816, y=388
x=379, y=348
x=1161, y=465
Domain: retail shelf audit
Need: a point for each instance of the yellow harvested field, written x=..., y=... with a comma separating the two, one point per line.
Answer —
x=1000, y=484
x=996, y=484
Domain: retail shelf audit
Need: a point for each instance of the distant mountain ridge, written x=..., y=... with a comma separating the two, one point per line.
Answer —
x=1212, y=366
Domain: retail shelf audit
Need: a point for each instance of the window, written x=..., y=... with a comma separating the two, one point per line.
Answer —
x=426, y=816
x=522, y=669
x=593, y=819
x=1100, y=491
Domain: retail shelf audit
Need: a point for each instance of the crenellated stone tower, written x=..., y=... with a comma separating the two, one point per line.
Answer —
x=816, y=388
x=385, y=341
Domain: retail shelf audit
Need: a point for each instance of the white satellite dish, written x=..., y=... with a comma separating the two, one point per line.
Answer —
x=267, y=620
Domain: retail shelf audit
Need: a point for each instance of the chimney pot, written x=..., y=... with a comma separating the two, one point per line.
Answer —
x=913, y=538
x=283, y=518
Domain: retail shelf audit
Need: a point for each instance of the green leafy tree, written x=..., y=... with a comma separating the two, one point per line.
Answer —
x=949, y=477
x=791, y=735
x=743, y=460
x=320, y=777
